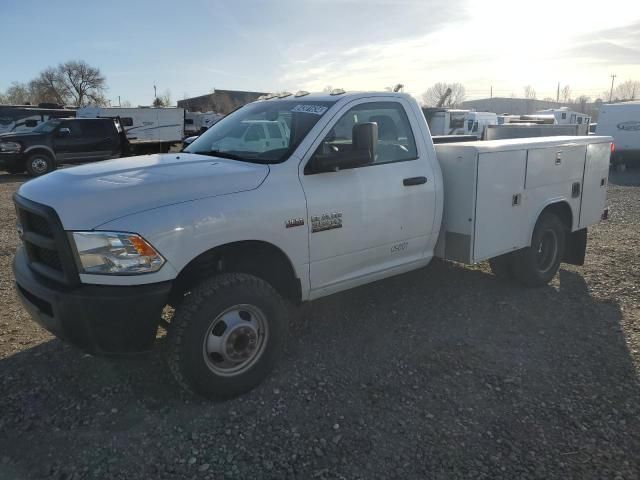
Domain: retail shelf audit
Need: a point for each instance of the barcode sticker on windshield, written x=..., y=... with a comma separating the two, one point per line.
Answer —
x=315, y=109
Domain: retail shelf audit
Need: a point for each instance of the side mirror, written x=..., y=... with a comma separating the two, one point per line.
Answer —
x=64, y=132
x=363, y=151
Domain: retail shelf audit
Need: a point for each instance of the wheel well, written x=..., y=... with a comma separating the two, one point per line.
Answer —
x=562, y=210
x=38, y=150
x=254, y=257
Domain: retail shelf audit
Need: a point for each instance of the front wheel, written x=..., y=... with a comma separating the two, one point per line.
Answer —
x=536, y=265
x=39, y=163
x=227, y=335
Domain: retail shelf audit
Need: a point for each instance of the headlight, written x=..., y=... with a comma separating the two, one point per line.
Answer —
x=10, y=147
x=115, y=253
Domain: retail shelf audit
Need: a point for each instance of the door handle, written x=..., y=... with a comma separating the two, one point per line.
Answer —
x=407, y=182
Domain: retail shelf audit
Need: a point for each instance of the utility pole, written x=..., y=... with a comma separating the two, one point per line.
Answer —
x=119, y=104
x=155, y=93
x=558, y=94
x=613, y=77
x=491, y=92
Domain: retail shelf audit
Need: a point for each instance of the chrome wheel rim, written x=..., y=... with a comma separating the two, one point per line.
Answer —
x=235, y=340
x=547, y=250
x=39, y=165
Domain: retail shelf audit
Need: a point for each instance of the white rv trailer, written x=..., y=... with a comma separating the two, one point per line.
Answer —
x=446, y=121
x=622, y=122
x=24, y=118
x=192, y=123
x=476, y=123
x=148, y=129
x=564, y=116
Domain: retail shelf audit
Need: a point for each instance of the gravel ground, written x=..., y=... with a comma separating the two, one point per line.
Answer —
x=440, y=373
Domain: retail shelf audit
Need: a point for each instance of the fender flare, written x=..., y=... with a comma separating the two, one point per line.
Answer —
x=548, y=203
x=41, y=147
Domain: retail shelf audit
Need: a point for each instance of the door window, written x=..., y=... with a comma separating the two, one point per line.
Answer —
x=93, y=129
x=395, y=138
x=74, y=127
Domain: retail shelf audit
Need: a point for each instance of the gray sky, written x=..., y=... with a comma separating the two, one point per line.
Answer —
x=192, y=47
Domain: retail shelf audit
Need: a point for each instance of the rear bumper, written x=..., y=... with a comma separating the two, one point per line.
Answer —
x=98, y=319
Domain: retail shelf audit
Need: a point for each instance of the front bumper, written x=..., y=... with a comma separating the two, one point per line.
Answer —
x=10, y=160
x=97, y=318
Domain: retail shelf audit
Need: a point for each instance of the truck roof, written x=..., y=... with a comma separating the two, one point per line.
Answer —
x=327, y=97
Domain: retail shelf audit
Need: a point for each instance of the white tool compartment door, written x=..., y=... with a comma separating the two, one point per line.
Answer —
x=500, y=223
x=594, y=186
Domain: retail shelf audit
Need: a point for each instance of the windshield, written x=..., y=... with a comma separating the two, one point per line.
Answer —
x=47, y=127
x=264, y=132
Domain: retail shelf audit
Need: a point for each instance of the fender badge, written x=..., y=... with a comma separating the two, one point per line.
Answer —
x=294, y=222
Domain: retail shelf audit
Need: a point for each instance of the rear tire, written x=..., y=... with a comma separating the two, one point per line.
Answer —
x=39, y=164
x=227, y=335
x=502, y=267
x=536, y=265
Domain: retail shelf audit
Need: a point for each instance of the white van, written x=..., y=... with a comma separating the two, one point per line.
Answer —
x=622, y=122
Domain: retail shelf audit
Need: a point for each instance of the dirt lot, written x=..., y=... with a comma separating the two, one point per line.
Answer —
x=441, y=373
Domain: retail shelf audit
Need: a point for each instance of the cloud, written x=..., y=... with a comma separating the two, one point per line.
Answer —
x=619, y=46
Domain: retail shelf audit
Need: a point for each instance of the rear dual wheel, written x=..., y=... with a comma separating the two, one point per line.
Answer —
x=536, y=265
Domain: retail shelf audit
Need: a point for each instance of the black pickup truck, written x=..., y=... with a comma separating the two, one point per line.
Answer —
x=62, y=140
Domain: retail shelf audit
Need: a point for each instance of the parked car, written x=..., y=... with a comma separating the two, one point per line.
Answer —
x=353, y=192
x=62, y=140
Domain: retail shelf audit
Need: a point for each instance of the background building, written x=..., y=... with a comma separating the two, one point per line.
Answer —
x=220, y=101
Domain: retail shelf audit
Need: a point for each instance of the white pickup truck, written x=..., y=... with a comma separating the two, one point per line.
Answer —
x=228, y=237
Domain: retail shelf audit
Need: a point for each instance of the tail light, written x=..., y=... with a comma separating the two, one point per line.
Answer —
x=613, y=147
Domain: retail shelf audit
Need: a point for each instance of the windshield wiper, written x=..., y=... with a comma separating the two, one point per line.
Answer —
x=218, y=153
x=231, y=156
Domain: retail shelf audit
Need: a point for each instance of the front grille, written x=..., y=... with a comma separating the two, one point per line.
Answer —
x=46, y=244
x=38, y=225
x=50, y=258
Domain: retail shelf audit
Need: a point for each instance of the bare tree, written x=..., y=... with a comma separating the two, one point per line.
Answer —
x=438, y=91
x=163, y=100
x=565, y=94
x=529, y=92
x=126, y=104
x=582, y=100
x=81, y=83
x=629, y=90
x=17, y=94
x=47, y=88
x=70, y=83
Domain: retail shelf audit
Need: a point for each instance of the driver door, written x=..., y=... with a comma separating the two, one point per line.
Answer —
x=371, y=221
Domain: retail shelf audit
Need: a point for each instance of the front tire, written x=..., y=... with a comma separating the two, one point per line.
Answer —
x=536, y=265
x=227, y=335
x=39, y=164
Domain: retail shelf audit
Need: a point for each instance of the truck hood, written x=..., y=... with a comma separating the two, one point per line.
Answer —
x=87, y=196
x=11, y=136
